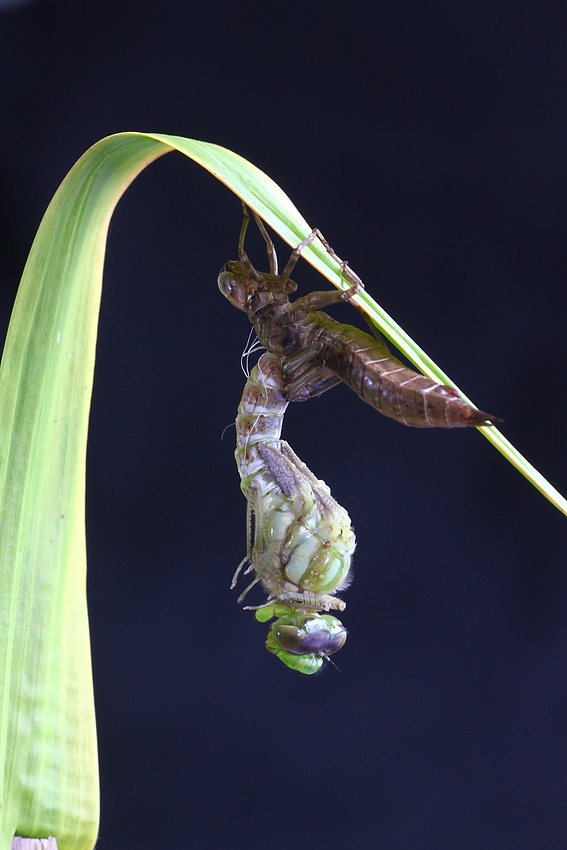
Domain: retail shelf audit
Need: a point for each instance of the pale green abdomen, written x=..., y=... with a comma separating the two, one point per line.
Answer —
x=315, y=554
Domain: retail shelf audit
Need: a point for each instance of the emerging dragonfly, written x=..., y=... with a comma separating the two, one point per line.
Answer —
x=302, y=543
x=316, y=352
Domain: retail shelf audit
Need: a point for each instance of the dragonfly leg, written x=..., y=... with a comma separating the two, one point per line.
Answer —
x=347, y=273
x=311, y=384
x=270, y=247
x=375, y=332
x=314, y=601
x=290, y=265
x=245, y=592
x=305, y=377
x=258, y=607
x=320, y=299
x=302, y=601
x=238, y=571
x=317, y=300
x=242, y=255
x=255, y=516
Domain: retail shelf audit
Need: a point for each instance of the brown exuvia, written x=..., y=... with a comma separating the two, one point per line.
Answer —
x=316, y=352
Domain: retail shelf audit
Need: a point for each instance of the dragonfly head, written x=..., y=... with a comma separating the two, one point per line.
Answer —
x=236, y=285
x=303, y=641
x=251, y=291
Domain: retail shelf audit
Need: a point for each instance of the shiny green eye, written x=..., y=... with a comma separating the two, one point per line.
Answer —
x=318, y=639
x=303, y=641
x=290, y=638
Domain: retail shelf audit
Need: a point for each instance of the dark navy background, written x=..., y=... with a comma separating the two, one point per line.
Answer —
x=427, y=141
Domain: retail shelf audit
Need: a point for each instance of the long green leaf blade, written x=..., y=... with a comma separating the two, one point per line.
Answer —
x=48, y=770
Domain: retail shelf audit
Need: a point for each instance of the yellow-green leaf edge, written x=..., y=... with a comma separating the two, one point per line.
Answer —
x=48, y=764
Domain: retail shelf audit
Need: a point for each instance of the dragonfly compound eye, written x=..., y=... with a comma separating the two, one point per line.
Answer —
x=292, y=639
x=231, y=287
x=337, y=642
x=318, y=635
x=302, y=641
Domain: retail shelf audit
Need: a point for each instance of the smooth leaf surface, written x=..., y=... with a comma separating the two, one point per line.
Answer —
x=48, y=764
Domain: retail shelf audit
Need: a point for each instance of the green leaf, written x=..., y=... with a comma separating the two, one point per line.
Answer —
x=48, y=764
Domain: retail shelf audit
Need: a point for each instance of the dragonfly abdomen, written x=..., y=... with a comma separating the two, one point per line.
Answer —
x=259, y=419
x=382, y=381
x=303, y=540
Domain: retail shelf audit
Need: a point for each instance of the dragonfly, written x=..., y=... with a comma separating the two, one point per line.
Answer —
x=316, y=352
x=299, y=539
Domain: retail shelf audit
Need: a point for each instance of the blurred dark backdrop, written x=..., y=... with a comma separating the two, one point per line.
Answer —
x=427, y=141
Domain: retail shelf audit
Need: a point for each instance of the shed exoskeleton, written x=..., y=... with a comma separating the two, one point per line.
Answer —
x=316, y=352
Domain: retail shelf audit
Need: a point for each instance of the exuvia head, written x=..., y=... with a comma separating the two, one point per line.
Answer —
x=235, y=285
x=252, y=294
x=303, y=641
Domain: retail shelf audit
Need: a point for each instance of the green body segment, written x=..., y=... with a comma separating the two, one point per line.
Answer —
x=317, y=563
